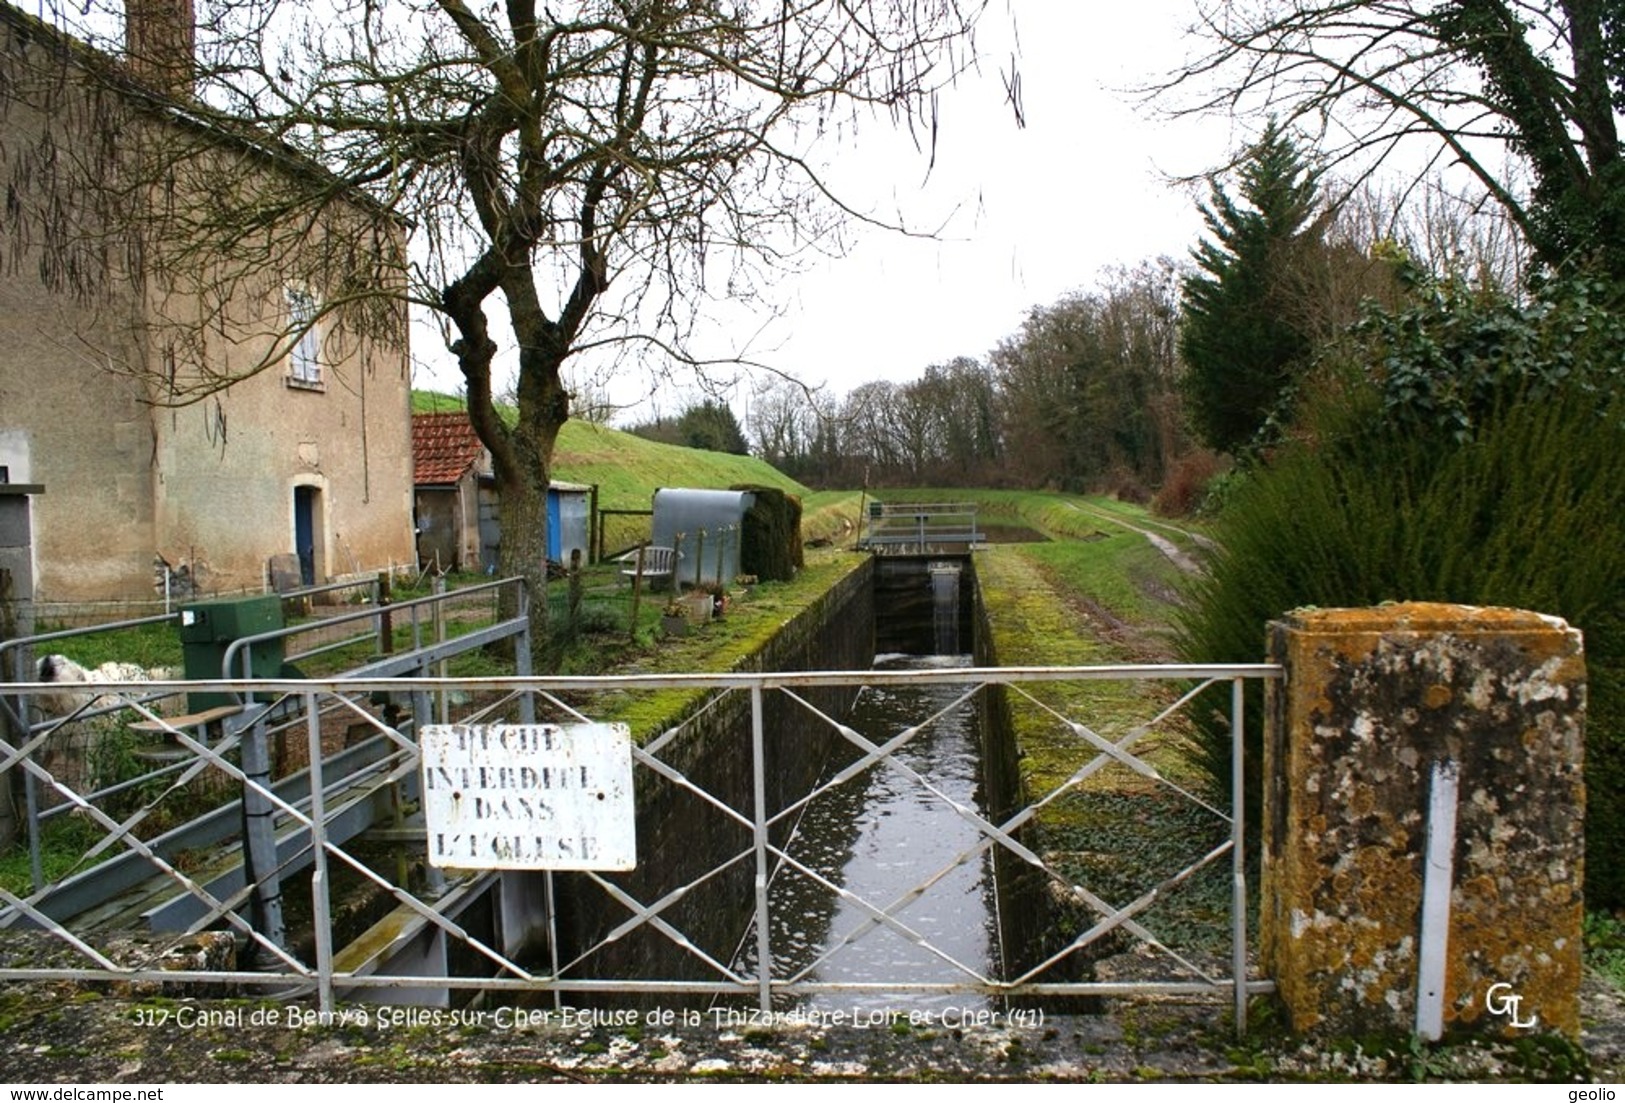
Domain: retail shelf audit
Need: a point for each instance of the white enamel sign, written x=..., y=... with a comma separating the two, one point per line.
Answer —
x=529, y=796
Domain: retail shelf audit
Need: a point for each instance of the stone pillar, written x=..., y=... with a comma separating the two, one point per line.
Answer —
x=160, y=37
x=1387, y=719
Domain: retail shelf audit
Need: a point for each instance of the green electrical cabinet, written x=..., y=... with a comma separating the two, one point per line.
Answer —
x=208, y=629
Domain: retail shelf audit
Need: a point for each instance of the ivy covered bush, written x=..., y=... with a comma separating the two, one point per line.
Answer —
x=1468, y=449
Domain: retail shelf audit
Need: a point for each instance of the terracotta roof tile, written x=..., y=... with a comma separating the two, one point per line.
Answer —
x=444, y=447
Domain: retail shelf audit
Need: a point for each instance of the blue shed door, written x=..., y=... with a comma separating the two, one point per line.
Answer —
x=553, y=526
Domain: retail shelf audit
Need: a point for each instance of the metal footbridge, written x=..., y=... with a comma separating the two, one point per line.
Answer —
x=921, y=528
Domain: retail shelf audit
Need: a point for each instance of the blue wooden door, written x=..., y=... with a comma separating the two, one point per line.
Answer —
x=304, y=532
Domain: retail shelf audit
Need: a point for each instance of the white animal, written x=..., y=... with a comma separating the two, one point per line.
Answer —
x=66, y=751
x=61, y=669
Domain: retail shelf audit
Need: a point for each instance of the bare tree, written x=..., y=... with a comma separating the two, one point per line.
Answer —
x=784, y=423
x=1088, y=390
x=1509, y=90
x=587, y=169
x=1444, y=231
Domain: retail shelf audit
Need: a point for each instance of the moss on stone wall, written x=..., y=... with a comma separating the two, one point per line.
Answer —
x=1117, y=833
x=742, y=640
x=692, y=834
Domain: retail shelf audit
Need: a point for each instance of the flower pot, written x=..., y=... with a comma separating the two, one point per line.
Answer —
x=674, y=624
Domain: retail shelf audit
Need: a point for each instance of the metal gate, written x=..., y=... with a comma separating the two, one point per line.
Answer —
x=162, y=849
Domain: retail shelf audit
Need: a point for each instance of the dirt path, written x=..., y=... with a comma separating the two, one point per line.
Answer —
x=1164, y=545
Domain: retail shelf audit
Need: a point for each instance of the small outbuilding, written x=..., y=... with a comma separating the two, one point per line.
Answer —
x=453, y=494
x=458, y=521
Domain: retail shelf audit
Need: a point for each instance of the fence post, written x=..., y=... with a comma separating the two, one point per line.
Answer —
x=437, y=587
x=386, y=621
x=8, y=631
x=523, y=665
x=574, y=592
x=761, y=842
x=17, y=622
x=260, y=864
x=1393, y=724
x=637, y=589
x=595, y=527
x=320, y=882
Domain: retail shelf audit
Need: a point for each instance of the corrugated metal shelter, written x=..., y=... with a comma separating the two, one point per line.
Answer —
x=569, y=521
x=681, y=514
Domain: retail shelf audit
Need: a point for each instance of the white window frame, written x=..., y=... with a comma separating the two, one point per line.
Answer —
x=304, y=357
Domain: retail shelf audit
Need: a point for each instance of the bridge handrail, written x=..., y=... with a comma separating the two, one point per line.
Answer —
x=926, y=507
x=23, y=644
x=376, y=614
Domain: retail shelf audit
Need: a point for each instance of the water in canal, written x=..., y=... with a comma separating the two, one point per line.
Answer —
x=882, y=835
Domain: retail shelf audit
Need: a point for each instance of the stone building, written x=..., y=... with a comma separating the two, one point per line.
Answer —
x=183, y=403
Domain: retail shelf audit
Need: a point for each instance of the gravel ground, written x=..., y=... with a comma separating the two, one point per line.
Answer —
x=65, y=1034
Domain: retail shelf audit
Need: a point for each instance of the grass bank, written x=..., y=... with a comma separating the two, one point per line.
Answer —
x=1120, y=831
x=1056, y=516
x=755, y=615
x=627, y=469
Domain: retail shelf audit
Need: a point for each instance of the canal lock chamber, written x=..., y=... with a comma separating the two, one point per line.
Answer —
x=880, y=836
x=890, y=836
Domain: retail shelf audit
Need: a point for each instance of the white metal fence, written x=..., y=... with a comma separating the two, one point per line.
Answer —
x=250, y=822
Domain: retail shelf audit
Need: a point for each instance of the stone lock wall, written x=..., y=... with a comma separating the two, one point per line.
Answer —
x=1390, y=719
x=682, y=837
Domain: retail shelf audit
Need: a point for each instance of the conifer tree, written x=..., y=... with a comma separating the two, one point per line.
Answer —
x=1242, y=338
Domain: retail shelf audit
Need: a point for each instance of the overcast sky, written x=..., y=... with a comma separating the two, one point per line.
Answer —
x=1028, y=213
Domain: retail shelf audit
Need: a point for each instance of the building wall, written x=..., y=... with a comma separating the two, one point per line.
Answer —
x=229, y=467
x=83, y=357
x=86, y=438
x=66, y=312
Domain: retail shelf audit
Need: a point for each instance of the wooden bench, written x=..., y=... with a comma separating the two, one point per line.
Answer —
x=658, y=564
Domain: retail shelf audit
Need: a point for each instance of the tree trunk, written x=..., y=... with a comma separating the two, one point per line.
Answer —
x=544, y=406
x=521, y=456
x=523, y=552
x=522, y=490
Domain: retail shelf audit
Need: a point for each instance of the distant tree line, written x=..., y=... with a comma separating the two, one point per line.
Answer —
x=1085, y=395
x=710, y=425
x=1155, y=379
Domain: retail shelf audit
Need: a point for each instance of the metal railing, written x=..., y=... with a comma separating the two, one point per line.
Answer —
x=96, y=711
x=18, y=655
x=921, y=525
x=738, y=832
x=424, y=618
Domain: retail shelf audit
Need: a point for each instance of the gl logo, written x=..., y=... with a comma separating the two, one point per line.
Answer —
x=1500, y=1000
